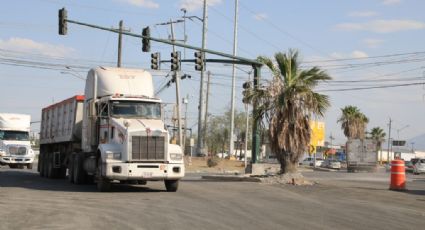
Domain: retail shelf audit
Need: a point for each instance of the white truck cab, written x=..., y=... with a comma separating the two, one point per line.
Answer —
x=15, y=147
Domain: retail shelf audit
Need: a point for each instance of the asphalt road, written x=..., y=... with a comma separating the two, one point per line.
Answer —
x=338, y=201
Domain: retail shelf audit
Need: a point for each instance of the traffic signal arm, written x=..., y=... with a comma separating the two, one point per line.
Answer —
x=242, y=59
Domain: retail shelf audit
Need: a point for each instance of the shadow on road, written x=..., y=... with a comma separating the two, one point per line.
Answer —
x=31, y=180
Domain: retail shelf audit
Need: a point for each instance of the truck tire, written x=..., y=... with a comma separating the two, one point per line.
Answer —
x=29, y=166
x=45, y=165
x=103, y=184
x=62, y=172
x=171, y=185
x=71, y=168
x=41, y=164
x=142, y=182
x=79, y=173
x=50, y=169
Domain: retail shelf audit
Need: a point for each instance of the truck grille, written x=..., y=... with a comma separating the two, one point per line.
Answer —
x=16, y=150
x=148, y=148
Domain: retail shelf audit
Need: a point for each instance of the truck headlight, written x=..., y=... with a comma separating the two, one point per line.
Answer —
x=113, y=155
x=176, y=156
x=2, y=152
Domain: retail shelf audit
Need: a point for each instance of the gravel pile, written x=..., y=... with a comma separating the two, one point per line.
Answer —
x=288, y=178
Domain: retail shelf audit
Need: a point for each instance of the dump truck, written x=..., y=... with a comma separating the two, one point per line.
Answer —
x=362, y=155
x=15, y=146
x=112, y=133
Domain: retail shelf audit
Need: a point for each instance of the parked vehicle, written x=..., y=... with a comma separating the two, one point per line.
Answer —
x=361, y=155
x=332, y=164
x=15, y=146
x=419, y=166
x=408, y=166
x=310, y=161
x=114, y=132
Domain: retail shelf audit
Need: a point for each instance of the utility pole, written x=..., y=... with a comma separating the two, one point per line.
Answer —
x=389, y=141
x=177, y=79
x=247, y=126
x=120, y=44
x=206, y=102
x=184, y=31
x=186, y=102
x=232, y=109
x=201, y=134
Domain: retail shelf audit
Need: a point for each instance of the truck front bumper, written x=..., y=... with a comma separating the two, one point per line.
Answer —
x=144, y=171
x=5, y=160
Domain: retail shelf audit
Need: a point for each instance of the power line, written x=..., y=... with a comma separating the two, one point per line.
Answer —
x=372, y=87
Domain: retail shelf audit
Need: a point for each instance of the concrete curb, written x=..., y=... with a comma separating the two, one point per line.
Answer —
x=325, y=170
x=231, y=178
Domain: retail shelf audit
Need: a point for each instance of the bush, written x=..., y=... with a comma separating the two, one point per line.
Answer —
x=212, y=162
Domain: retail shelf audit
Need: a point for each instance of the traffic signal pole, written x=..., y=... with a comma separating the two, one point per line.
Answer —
x=234, y=59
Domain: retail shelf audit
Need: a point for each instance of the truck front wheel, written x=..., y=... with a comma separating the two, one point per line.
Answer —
x=29, y=166
x=171, y=185
x=103, y=184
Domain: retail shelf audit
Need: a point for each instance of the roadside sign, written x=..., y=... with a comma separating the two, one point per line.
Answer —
x=317, y=137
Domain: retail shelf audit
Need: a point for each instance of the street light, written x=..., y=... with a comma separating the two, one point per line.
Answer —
x=400, y=129
x=73, y=74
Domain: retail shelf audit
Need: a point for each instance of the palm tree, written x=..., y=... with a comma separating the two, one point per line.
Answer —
x=287, y=104
x=378, y=135
x=353, y=122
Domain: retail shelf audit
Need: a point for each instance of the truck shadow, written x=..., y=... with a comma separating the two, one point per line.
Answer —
x=31, y=180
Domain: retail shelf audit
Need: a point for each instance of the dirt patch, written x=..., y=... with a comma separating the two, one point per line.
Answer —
x=199, y=164
x=288, y=178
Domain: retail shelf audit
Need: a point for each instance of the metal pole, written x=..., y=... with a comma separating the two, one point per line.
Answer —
x=206, y=102
x=247, y=127
x=255, y=132
x=389, y=140
x=177, y=78
x=232, y=109
x=186, y=102
x=120, y=44
x=201, y=87
x=184, y=31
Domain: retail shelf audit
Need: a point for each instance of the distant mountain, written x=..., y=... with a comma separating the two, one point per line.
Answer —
x=419, y=142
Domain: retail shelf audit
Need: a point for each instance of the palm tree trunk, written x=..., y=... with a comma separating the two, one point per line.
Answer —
x=286, y=165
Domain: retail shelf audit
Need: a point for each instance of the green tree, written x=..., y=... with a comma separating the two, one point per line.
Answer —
x=353, y=122
x=287, y=104
x=218, y=131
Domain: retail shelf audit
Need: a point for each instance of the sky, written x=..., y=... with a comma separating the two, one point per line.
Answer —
x=364, y=45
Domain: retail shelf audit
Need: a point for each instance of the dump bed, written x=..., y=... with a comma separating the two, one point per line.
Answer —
x=61, y=122
x=361, y=154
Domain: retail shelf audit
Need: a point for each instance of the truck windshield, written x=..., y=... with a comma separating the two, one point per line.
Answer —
x=14, y=135
x=149, y=110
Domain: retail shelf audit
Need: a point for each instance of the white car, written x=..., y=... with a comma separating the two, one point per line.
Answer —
x=419, y=166
x=310, y=161
x=332, y=164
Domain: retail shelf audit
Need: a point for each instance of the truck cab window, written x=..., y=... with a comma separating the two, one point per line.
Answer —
x=136, y=109
x=104, y=110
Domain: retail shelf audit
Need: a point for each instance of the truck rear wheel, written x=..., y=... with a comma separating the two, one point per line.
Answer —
x=79, y=173
x=103, y=184
x=41, y=164
x=71, y=168
x=171, y=185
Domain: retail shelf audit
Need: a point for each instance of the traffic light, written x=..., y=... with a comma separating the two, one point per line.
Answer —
x=175, y=61
x=146, y=33
x=246, y=85
x=246, y=92
x=63, y=16
x=199, y=61
x=156, y=61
